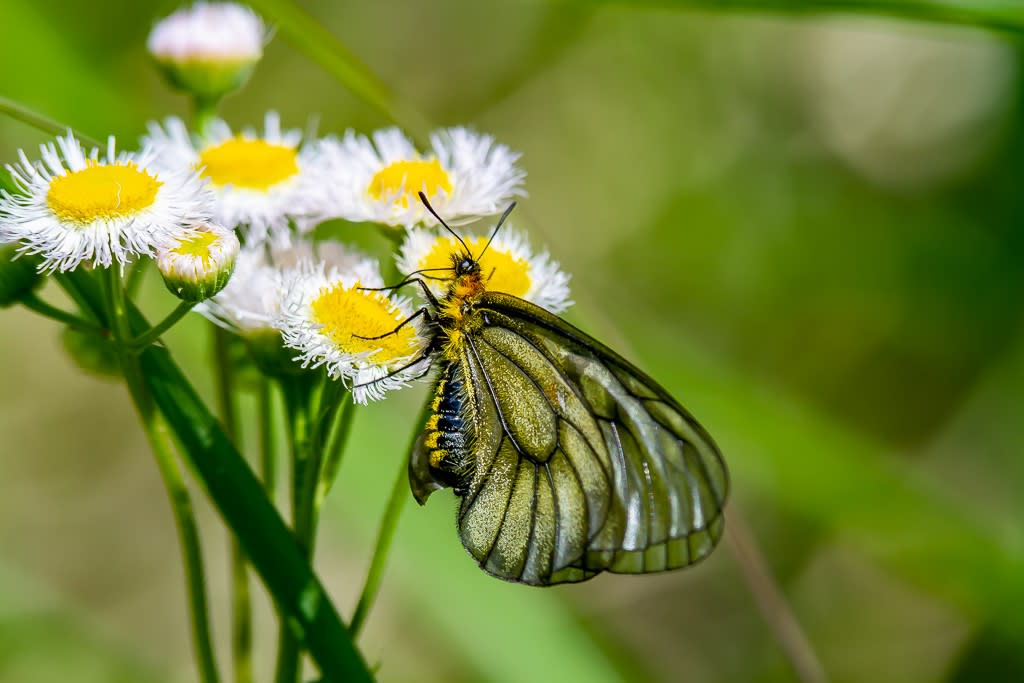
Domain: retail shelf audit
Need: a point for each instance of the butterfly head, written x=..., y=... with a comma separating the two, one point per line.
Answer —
x=468, y=281
x=464, y=264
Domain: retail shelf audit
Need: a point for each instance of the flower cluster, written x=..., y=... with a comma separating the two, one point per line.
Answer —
x=229, y=216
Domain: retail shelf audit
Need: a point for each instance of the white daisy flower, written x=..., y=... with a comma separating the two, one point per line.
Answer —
x=76, y=206
x=464, y=174
x=508, y=265
x=200, y=264
x=251, y=301
x=357, y=335
x=261, y=181
x=208, y=49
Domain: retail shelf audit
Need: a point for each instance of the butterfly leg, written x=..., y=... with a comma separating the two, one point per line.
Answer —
x=423, y=311
x=419, y=358
x=408, y=281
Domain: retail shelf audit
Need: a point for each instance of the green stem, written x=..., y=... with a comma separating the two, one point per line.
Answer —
x=309, y=36
x=311, y=403
x=225, y=381
x=298, y=398
x=34, y=303
x=241, y=623
x=335, y=448
x=40, y=122
x=204, y=111
x=268, y=456
x=181, y=504
x=976, y=13
x=135, y=275
x=241, y=601
x=330, y=401
x=85, y=304
x=388, y=525
x=154, y=333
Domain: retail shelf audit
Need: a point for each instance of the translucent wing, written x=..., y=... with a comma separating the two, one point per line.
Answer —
x=580, y=463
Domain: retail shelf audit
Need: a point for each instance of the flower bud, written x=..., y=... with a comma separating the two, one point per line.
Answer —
x=18, y=276
x=200, y=264
x=208, y=49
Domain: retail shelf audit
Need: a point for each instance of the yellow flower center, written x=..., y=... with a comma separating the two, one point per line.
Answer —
x=401, y=181
x=101, y=191
x=348, y=314
x=249, y=164
x=197, y=246
x=502, y=271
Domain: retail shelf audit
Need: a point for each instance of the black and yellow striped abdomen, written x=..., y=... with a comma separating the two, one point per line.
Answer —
x=441, y=459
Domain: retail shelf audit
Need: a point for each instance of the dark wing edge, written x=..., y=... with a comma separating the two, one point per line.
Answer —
x=644, y=531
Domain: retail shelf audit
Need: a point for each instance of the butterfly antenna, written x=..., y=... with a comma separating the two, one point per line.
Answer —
x=423, y=198
x=497, y=227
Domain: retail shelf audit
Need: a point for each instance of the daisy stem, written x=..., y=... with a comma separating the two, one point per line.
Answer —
x=309, y=36
x=388, y=524
x=154, y=333
x=86, y=305
x=204, y=111
x=268, y=456
x=134, y=277
x=40, y=122
x=327, y=403
x=311, y=404
x=34, y=303
x=298, y=398
x=241, y=603
x=334, y=449
x=177, y=491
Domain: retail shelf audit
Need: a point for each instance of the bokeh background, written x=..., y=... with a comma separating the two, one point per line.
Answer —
x=809, y=229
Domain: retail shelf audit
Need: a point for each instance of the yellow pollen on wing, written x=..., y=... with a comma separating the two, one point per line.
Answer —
x=401, y=180
x=249, y=164
x=101, y=191
x=348, y=314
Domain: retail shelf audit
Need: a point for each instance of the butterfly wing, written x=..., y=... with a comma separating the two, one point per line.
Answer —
x=580, y=462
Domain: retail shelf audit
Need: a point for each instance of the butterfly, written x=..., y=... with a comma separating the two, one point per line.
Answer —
x=566, y=459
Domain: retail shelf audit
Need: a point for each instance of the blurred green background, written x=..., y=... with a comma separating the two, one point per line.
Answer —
x=807, y=228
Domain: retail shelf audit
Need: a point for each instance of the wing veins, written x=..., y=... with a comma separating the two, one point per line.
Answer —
x=554, y=367
x=536, y=386
x=533, y=522
x=508, y=503
x=494, y=395
x=558, y=520
x=476, y=494
x=586, y=500
x=498, y=303
x=654, y=452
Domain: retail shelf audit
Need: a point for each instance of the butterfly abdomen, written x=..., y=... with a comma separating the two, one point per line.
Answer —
x=445, y=435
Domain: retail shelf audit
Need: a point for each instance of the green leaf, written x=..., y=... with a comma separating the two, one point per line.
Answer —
x=242, y=502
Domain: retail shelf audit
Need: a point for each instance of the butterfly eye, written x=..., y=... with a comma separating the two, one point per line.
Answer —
x=467, y=266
